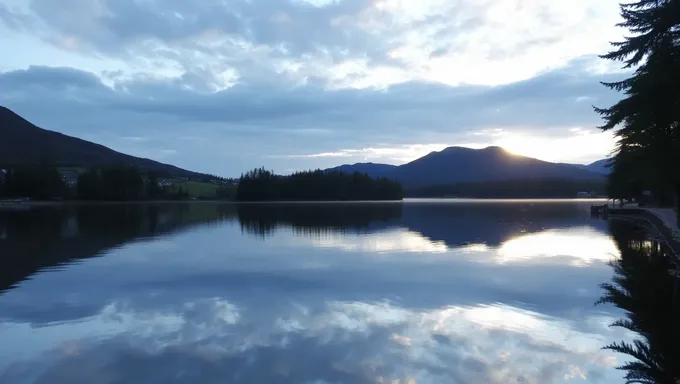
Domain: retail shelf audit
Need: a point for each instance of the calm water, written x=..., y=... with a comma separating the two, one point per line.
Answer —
x=420, y=292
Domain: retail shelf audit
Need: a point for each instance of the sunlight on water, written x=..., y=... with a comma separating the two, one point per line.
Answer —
x=584, y=245
x=396, y=240
x=422, y=294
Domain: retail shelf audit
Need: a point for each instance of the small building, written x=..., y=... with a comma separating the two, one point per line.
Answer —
x=70, y=177
x=164, y=183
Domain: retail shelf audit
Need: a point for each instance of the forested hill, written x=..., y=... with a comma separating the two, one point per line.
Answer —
x=371, y=169
x=262, y=185
x=455, y=165
x=22, y=143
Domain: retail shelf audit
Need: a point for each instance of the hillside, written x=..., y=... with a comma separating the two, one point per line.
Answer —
x=372, y=169
x=456, y=165
x=24, y=143
x=599, y=166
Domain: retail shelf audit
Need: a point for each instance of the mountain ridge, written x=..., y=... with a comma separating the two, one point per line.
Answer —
x=456, y=164
x=372, y=169
x=25, y=143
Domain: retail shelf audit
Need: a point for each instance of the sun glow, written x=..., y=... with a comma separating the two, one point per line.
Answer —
x=583, y=146
x=585, y=245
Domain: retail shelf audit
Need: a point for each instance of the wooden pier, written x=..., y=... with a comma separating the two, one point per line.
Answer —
x=600, y=209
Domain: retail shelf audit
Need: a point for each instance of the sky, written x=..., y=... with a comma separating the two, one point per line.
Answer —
x=223, y=86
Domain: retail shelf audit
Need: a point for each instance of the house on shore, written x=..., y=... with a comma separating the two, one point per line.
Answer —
x=69, y=177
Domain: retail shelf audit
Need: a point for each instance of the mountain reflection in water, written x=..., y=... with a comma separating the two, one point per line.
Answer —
x=419, y=292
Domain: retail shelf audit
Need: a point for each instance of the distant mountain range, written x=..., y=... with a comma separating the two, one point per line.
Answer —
x=23, y=143
x=600, y=166
x=465, y=165
x=372, y=169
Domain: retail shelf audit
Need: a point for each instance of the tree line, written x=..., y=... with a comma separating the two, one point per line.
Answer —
x=115, y=183
x=42, y=182
x=124, y=183
x=262, y=185
x=646, y=122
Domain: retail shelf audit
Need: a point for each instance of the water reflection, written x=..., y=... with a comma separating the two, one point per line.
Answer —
x=645, y=286
x=377, y=295
x=386, y=241
x=441, y=224
x=584, y=245
x=46, y=237
x=318, y=218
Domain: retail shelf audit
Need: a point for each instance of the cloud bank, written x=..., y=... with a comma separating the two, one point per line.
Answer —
x=223, y=86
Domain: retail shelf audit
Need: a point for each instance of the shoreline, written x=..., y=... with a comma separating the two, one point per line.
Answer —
x=9, y=203
x=660, y=221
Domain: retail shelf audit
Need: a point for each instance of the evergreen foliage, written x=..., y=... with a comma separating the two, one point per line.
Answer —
x=121, y=183
x=647, y=120
x=124, y=183
x=41, y=182
x=262, y=185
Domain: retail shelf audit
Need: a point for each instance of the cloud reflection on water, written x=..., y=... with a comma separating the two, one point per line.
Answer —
x=583, y=244
x=359, y=342
x=388, y=241
x=384, y=302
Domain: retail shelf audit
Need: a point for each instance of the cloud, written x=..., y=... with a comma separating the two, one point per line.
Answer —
x=404, y=120
x=13, y=20
x=454, y=42
x=297, y=81
x=399, y=154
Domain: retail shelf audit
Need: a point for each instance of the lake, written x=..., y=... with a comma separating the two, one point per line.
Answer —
x=425, y=291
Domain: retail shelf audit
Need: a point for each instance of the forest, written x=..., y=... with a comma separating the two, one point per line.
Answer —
x=262, y=185
x=117, y=183
x=646, y=120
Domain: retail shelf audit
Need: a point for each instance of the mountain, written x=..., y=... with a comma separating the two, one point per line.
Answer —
x=465, y=165
x=372, y=169
x=23, y=143
x=599, y=166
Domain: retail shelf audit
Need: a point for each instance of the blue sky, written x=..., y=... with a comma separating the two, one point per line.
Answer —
x=221, y=86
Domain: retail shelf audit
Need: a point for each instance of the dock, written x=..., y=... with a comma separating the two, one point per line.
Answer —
x=600, y=209
x=660, y=222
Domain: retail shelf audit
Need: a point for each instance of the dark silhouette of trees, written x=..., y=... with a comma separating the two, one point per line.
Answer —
x=124, y=183
x=646, y=286
x=121, y=183
x=90, y=186
x=647, y=119
x=153, y=188
x=226, y=192
x=263, y=185
x=41, y=182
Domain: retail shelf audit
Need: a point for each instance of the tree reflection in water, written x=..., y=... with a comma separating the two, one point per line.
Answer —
x=645, y=286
